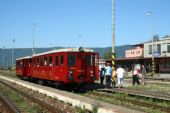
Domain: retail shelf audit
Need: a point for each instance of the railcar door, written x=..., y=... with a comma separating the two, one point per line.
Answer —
x=90, y=63
x=59, y=68
x=81, y=67
x=25, y=65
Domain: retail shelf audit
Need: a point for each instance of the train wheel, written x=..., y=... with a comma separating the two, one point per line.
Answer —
x=41, y=82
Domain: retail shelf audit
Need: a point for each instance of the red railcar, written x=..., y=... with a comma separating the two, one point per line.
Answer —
x=23, y=66
x=70, y=65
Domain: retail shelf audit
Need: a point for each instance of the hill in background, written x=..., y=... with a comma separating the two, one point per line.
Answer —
x=21, y=52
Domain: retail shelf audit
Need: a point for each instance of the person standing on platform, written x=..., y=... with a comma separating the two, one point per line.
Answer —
x=120, y=76
x=135, y=77
x=114, y=76
x=143, y=74
x=108, y=75
x=102, y=74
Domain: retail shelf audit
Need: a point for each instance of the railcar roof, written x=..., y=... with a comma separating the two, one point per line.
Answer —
x=64, y=50
x=26, y=57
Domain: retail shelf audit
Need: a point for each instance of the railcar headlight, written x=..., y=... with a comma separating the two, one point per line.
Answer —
x=91, y=71
x=81, y=49
x=70, y=72
x=71, y=77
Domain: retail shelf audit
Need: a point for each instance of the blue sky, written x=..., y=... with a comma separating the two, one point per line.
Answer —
x=72, y=23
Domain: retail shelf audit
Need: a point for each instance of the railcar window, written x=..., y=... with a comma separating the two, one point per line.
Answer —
x=89, y=60
x=30, y=61
x=61, y=60
x=45, y=61
x=96, y=60
x=41, y=61
x=20, y=64
x=56, y=60
x=50, y=60
x=79, y=56
x=37, y=61
x=71, y=60
x=34, y=62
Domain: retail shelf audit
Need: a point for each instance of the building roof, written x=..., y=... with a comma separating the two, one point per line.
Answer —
x=126, y=59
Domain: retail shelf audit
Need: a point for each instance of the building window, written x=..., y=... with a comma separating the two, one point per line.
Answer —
x=150, y=49
x=168, y=48
x=159, y=48
x=166, y=63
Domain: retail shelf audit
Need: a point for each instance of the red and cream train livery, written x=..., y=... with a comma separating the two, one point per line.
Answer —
x=72, y=65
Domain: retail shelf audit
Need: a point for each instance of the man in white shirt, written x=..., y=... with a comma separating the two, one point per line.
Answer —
x=120, y=76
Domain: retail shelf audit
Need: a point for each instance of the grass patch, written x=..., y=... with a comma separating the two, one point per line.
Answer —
x=112, y=98
x=8, y=72
x=154, y=88
x=18, y=100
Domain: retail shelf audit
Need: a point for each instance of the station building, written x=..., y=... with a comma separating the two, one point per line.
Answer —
x=142, y=53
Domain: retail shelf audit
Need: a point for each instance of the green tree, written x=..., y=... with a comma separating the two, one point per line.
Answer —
x=108, y=54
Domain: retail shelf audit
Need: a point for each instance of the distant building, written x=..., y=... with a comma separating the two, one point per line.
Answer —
x=161, y=53
x=142, y=54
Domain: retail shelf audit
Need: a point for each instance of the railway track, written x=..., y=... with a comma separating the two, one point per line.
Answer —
x=6, y=106
x=109, y=97
x=144, y=94
x=133, y=102
x=158, y=79
x=139, y=93
x=46, y=107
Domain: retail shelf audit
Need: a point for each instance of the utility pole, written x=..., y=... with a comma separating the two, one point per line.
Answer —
x=33, y=36
x=113, y=36
x=152, y=35
x=13, y=41
x=3, y=55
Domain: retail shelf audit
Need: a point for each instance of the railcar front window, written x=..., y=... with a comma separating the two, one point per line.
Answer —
x=96, y=60
x=89, y=60
x=71, y=60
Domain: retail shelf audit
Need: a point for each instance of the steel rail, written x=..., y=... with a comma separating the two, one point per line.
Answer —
x=135, y=102
x=145, y=94
x=138, y=93
x=34, y=99
x=8, y=104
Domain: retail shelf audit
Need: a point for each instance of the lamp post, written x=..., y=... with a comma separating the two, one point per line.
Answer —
x=33, y=36
x=152, y=35
x=3, y=55
x=13, y=41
